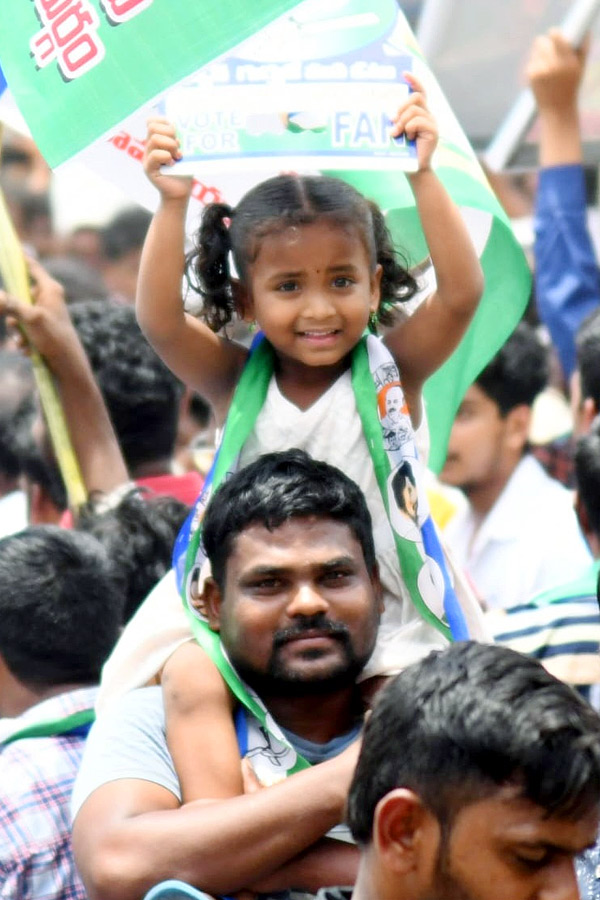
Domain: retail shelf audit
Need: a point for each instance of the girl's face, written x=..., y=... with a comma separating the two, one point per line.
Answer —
x=311, y=290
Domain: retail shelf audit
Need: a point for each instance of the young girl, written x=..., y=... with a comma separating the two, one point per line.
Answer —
x=314, y=268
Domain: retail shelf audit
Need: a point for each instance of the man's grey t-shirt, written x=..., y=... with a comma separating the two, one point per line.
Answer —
x=127, y=741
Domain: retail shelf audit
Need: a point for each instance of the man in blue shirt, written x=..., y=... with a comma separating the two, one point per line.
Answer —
x=567, y=281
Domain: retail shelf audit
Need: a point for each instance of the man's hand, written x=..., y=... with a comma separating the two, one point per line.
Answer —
x=46, y=324
x=555, y=71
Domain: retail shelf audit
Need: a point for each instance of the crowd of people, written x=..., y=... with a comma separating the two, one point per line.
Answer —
x=188, y=659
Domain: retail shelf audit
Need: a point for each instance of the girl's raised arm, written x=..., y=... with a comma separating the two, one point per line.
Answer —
x=421, y=343
x=207, y=363
x=200, y=728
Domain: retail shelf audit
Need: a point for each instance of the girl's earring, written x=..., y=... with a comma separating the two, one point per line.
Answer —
x=373, y=322
x=252, y=326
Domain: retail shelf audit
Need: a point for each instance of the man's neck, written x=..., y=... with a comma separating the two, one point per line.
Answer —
x=152, y=468
x=316, y=718
x=8, y=485
x=371, y=884
x=17, y=698
x=593, y=543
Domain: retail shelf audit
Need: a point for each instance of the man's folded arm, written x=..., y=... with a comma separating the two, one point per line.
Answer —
x=131, y=834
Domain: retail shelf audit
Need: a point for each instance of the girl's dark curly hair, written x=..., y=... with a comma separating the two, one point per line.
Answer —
x=276, y=204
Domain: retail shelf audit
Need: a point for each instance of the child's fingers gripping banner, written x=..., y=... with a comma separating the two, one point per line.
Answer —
x=256, y=89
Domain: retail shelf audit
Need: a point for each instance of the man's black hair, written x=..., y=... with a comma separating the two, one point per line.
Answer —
x=587, y=347
x=59, y=606
x=464, y=722
x=39, y=463
x=518, y=372
x=125, y=232
x=587, y=474
x=138, y=536
x=141, y=394
x=278, y=487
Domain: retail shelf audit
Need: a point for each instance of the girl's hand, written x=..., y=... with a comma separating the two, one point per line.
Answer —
x=251, y=783
x=162, y=149
x=416, y=121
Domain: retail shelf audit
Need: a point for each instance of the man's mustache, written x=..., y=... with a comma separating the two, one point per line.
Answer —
x=311, y=624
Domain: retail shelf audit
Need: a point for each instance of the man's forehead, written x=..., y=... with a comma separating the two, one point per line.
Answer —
x=507, y=817
x=295, y=541
x=475, y=395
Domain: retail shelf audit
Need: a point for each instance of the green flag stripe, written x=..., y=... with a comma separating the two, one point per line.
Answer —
x=53, y=727
x=411, y=561
x=507, y=284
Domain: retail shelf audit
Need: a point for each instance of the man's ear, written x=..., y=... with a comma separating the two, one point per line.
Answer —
x=377, y=587
x=582, y=515
x=243, y=302
x=405, y=834
x=588, y=414
x=518, y=424
x=211, y=601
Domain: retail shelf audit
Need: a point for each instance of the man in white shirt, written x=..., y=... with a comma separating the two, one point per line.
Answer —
x=518, y=534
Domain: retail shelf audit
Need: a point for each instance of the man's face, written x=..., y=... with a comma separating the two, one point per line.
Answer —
x=300, y=610
x=477, y=442
x=508, y=848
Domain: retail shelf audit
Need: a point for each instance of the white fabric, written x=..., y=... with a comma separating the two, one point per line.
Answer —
x=159, y=626
x=329, y=430
x=529, y=541
x=13, y=513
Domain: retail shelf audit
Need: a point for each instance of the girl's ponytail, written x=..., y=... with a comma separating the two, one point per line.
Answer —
x=207, y=266
x=397, y=284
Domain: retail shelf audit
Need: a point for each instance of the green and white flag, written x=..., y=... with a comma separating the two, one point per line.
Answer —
x=78, y=67
x=316, y=83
